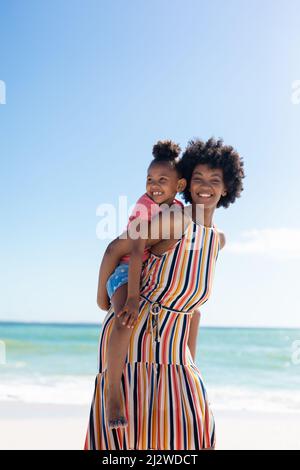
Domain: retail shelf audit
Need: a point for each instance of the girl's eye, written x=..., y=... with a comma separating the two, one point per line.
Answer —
x=161, y=180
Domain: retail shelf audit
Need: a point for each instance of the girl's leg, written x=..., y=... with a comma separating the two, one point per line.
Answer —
x=116, y=355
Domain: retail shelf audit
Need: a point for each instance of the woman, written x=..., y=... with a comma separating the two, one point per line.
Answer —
x=164, y=397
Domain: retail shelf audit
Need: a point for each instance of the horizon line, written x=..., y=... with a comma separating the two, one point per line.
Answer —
x=24, y=322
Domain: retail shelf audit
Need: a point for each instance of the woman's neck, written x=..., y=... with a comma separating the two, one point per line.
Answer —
x=202, y=216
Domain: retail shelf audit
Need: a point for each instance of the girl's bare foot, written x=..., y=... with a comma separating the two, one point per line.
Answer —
x=114, y=413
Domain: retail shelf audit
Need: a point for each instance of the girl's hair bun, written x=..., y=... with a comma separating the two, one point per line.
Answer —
x=166, y=150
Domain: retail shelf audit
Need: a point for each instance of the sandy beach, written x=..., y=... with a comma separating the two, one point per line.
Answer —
x=43, y=426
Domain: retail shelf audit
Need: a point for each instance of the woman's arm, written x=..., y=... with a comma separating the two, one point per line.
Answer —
x=193, y=333
x=222, y=239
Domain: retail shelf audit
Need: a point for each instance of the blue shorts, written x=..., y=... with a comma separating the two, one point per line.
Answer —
x=117, y=279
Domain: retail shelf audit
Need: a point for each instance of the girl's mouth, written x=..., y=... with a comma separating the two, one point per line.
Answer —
x=157, y=193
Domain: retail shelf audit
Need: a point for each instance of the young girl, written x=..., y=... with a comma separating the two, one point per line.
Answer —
x=163, y=183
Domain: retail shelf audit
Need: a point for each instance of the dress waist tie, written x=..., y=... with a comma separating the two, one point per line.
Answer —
x=153, y=319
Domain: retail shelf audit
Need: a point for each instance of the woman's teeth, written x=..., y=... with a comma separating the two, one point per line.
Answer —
x=205, y=195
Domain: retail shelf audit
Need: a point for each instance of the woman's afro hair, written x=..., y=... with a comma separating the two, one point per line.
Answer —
x=216, y=155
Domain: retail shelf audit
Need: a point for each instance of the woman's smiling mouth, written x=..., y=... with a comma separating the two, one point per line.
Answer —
x=205, y=195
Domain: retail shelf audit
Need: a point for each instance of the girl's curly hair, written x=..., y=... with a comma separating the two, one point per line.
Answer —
x=166, y=151
x=217, y=155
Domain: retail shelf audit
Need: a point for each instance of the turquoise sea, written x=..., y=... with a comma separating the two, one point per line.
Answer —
x=242, y=368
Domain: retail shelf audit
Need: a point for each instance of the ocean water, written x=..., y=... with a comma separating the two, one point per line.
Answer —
x=242, y=368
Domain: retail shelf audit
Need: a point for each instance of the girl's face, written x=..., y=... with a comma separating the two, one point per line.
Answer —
x=163, y=183
x=207, y=185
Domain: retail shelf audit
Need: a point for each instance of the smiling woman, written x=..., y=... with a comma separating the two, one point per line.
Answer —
x=163, y=403
x=207, y=183
x=212, y=169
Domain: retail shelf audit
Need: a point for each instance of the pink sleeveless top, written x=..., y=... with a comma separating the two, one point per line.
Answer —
x=145, y=208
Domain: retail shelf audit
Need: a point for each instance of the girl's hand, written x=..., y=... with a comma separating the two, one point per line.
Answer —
x=103, y=301
x=129, y=312
x=106, y=304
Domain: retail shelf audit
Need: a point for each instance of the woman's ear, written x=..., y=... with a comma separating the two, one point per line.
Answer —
x=181, y=185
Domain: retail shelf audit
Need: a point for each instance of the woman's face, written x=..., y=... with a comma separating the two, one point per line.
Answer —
x=207, y=185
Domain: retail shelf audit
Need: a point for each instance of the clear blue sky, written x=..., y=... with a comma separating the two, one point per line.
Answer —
x=90, y=87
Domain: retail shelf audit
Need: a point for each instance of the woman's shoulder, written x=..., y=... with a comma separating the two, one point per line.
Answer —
x=178, y=203
x=222, y=238
x=169, y=224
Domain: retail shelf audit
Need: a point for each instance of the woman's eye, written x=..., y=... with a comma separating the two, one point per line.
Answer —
x=198, y=180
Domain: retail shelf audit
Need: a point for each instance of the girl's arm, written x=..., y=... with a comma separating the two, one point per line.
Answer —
x=193, y=333
x=130, y=310
x=164, y=225
x=122, y=245
x=103, y=301
x=126, y=244
x=135, y=268
x=114, y=251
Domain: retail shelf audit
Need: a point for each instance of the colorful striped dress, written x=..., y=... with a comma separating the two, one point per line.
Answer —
x=163, y=393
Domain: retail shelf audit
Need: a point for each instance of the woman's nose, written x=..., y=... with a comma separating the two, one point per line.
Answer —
x=205, y=187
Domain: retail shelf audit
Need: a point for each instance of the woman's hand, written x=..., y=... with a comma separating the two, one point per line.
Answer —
x=129, y=313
